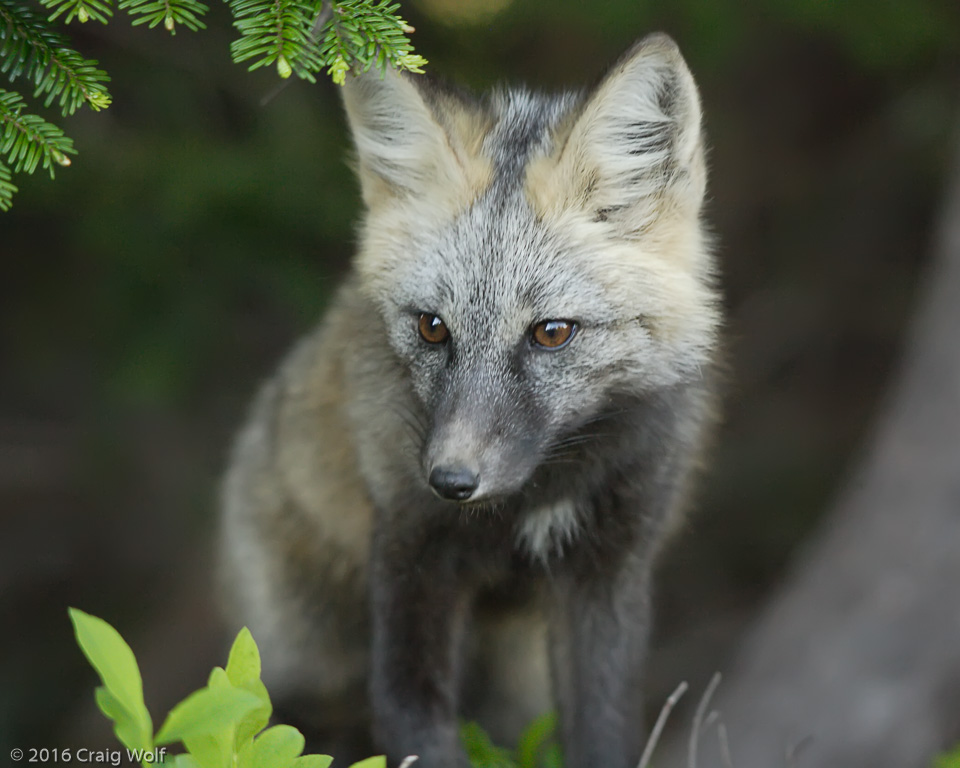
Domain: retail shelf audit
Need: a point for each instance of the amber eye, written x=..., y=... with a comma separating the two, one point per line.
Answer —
x=553, y=334
x=433, y=329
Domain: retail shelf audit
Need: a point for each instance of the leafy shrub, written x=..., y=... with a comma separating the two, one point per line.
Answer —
x=538, y=747
x=222, y=725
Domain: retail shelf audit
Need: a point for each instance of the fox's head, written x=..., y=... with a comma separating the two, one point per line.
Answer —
x=533, y=257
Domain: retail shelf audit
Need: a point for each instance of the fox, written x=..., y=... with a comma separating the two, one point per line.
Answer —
x=450, y=498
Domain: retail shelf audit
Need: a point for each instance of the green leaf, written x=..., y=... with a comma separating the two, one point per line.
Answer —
x=243, y=663
x=218, y=679
x=207, y=712
x=276, y=747
x=312, y=761
x=211, y=751
x=214, y=750
x=481, y=751
x=126, y=725
x=258, y=718
x=243, y=671
x=535, y=739
x=181, y=761
x=380, y=761
x=552, y=756
x=949, y=760
x=122, y=695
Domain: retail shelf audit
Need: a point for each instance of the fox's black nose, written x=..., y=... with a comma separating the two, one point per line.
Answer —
x=455, y=483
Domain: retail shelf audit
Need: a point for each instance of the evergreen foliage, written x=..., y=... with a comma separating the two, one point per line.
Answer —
x=27, y=141
x=82, y=10
x=7, y=188
x=31, y=49
x=360, y=35
x=278, y=31
x=302, y=37
x=168, y=12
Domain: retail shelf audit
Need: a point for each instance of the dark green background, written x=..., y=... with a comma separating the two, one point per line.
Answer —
x=146, y=292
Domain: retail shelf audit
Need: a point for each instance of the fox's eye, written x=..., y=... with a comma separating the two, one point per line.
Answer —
x=433, y=329
x=553, y=334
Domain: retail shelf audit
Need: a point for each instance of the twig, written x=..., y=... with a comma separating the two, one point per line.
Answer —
x=659, y=725
x=698, y=719
x=725, y=755
x=274, y=92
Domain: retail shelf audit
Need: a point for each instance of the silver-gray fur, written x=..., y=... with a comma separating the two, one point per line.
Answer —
x=378, y=601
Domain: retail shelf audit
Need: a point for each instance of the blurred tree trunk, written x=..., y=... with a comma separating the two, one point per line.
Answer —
x=859, y=652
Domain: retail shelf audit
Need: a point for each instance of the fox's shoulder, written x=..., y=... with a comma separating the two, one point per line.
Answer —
x=297, y=450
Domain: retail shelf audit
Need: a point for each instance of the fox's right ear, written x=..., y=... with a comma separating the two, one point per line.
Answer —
x=412, y=135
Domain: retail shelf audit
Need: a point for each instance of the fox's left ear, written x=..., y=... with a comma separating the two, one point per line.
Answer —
x=413, y=134
x=632, y=153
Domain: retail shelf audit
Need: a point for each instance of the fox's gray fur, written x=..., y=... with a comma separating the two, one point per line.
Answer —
x=384, y=604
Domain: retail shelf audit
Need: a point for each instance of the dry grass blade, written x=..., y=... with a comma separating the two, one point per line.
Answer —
x=661, y=722
x=725, y=755
x=710, y=719
x=698, y=720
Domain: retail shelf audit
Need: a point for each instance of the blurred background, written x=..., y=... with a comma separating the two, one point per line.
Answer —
x=147, y=291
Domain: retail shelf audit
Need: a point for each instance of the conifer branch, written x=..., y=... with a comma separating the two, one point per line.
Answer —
x=28, y=140
x=82, y=10
x=7, y=188
x=30, y=49
x=363, y=34
x=168, y=12
x=307, y=36
x=277, y=31
x=304, y=37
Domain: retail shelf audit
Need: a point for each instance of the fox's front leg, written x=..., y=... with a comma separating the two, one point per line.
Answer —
x=419, y=612
x=598, y=634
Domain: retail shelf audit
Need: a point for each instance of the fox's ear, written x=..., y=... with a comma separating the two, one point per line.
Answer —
x=632, y=153
x=412, y=135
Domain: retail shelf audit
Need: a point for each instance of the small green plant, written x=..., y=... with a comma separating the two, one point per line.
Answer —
x=538, y=746
x=950, y=759
x=221, y=726
x=224, y=725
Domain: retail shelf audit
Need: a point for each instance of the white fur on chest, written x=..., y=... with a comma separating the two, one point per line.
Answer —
x=545, y=530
